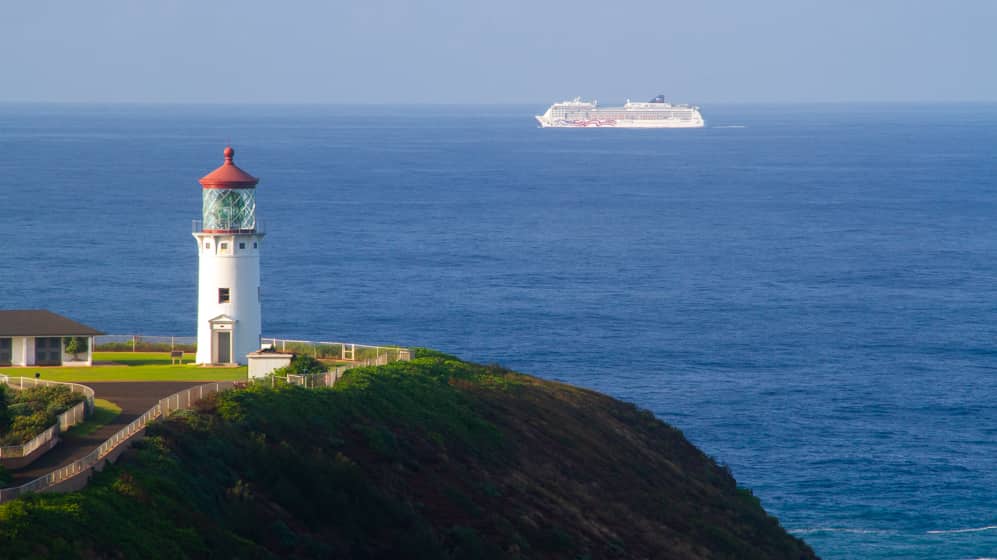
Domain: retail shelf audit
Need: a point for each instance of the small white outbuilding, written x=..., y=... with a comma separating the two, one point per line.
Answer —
x=263, y=362
x=37, y=337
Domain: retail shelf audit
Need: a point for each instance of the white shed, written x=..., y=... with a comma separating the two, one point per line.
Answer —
x=37, y=337
x=263, y=362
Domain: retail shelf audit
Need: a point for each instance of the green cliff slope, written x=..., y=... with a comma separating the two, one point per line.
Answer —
x=435, y=458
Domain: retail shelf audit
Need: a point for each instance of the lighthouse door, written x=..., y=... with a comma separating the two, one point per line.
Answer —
x=224, y=347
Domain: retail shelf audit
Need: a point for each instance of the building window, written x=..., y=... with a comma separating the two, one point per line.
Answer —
x=207, y=244
x=223, y=246
x=6, y=351
x=254, y=244
x=223, y=295
x=242, y=245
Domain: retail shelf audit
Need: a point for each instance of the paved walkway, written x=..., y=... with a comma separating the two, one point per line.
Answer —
x=134, y=398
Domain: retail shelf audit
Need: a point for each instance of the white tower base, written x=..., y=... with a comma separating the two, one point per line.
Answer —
x=228, y=296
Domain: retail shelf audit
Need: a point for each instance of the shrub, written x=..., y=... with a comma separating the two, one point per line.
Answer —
x=75, y=345
x=302, y=365
x=26, y=427
x=32, y=411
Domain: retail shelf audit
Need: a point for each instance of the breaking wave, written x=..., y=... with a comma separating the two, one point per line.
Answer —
x=968, y=530
x=810, y=531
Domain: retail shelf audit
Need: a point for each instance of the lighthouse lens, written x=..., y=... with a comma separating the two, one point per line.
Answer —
x=229, y=209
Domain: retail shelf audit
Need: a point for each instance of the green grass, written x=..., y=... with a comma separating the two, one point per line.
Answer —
x=132, y=366
x=140, y=358
x=104, y=412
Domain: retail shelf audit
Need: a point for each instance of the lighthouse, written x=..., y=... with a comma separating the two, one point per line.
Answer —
x=229, y=241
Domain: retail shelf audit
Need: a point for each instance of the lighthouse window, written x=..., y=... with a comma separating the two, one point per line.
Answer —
x=207, y=245
x=254, y=244
x=223, y=295
x=242, y=245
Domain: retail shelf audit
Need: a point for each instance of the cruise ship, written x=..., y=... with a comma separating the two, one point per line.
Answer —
x=656, y=113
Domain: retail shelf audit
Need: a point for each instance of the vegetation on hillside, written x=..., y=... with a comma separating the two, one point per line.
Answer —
x=434, y=458
x=25, y=413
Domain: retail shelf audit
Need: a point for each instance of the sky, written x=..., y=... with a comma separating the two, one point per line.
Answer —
x=506, y=51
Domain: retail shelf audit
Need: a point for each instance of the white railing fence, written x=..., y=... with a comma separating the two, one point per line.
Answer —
x=327, y=379
x=63, y=422
x=177, y=401
x=343, y=351
x=143, y=342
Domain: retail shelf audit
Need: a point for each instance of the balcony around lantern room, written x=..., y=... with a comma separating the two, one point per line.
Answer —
x=197, y=226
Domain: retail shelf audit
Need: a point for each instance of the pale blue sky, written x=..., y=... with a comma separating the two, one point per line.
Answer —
x=507, y=51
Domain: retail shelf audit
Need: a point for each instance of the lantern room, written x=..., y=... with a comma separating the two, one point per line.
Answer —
x=229, y=199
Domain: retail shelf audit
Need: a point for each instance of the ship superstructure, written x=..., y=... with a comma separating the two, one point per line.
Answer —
x=656, y=113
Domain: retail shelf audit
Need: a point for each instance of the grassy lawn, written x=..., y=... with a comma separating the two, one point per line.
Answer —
x=132, y=366
x=139, y=358
x=104, y=412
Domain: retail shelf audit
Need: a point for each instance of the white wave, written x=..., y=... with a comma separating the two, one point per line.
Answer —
x=839, y=530
x=969, y=530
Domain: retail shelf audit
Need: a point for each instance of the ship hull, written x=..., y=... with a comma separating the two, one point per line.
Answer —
x=622, y=123
x=656, y=113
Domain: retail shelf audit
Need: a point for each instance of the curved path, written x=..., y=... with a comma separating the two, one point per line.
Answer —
x=134, y=398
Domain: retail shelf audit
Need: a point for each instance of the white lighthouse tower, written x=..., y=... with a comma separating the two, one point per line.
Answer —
x=228, y=246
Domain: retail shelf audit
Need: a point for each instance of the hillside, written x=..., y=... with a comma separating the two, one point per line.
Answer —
x=434, y=458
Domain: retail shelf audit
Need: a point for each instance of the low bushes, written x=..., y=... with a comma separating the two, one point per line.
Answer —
x=302, y=365
x=29, y=412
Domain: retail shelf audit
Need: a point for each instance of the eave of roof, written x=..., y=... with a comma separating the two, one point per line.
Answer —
x=41, y=322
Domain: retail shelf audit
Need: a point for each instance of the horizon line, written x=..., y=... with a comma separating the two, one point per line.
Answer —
x=479, y=104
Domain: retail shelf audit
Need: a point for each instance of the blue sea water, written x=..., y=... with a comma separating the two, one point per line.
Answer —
x=809, y=291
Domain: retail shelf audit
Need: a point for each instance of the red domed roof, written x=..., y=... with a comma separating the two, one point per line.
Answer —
x=229, y=176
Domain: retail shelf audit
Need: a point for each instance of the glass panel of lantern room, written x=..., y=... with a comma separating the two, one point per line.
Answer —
x=229, y=209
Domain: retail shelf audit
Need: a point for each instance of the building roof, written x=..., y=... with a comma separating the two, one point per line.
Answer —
x=229, y=176
x=41, y=322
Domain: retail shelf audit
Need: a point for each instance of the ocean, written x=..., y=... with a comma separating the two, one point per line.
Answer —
x=808, y=292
